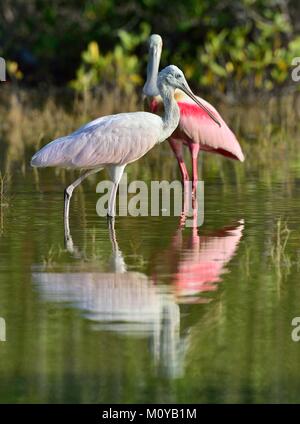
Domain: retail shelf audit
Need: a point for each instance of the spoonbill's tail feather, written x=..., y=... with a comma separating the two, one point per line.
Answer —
x=54, y=153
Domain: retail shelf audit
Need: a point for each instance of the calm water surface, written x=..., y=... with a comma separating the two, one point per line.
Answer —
x=151, y=312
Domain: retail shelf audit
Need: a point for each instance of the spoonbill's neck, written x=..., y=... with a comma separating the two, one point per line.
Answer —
x=171, y=112
x=150, y=87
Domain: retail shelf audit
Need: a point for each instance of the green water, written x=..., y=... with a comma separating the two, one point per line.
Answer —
x=161, y=314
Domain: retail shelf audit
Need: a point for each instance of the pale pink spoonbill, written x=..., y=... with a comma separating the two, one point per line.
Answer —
x=113, y=141
x=195, y=129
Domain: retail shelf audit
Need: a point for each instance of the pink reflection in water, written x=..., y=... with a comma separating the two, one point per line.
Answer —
x=203, y=260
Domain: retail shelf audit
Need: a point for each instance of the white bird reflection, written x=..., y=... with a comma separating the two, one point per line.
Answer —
x=120, y=301
x=132, y=303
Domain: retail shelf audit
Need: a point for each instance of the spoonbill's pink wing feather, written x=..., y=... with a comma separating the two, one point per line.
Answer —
x=200, y=128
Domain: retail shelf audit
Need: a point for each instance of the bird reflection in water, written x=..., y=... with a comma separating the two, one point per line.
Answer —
x=202, y=259
x=120, y=301
x=133, y=304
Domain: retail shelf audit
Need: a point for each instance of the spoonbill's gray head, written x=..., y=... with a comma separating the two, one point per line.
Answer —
x=173, y=77
x=155, y=48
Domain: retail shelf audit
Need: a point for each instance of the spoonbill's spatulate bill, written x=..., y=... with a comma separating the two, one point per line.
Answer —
x=195, y=128
x=114, y=141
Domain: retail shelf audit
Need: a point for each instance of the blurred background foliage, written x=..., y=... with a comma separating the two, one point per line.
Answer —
x=234, y=46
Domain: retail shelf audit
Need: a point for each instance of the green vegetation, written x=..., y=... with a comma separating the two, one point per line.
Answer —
x=120, y=67
x=235, y=47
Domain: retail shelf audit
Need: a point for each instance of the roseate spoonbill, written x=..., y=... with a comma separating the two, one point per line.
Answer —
x=113, y=141
x=195, y=129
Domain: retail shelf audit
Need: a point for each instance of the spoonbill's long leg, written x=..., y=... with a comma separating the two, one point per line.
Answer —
x=68, y=194
x=177, y=149
x=194, y=149
x=115, y=172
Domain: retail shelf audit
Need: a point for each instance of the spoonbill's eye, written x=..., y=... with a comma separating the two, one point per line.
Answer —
x=178, y=76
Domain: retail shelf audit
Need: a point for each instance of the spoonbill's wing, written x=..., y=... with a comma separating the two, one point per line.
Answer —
x=196, y=125
x=115, y=139
x=95, y=121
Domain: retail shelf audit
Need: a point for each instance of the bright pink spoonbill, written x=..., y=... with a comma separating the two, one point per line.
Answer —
x=113, y=141
x=195, y=128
